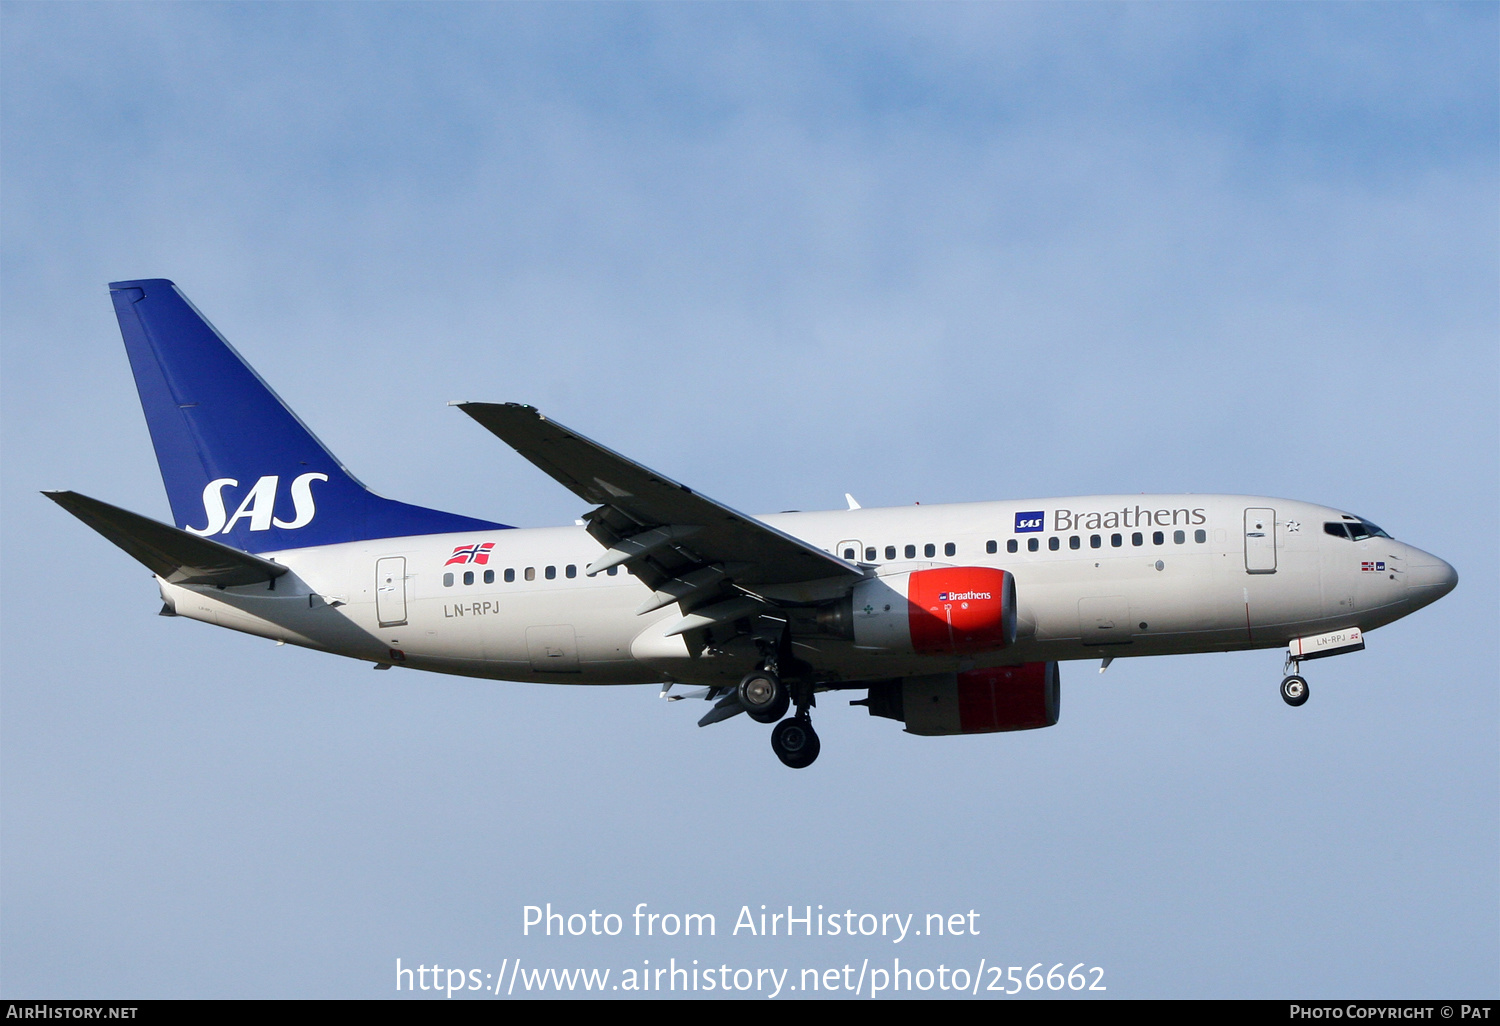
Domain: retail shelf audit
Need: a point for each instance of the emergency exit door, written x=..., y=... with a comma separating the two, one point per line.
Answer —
x=849, y=549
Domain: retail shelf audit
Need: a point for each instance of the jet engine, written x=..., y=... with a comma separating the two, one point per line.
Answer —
x=942, y=611
x=974, y=702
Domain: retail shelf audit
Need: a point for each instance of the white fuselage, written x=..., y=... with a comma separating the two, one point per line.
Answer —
x=1125, y=575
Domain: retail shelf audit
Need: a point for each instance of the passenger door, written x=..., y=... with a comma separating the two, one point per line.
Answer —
x=1260, y=541
x=390, y=590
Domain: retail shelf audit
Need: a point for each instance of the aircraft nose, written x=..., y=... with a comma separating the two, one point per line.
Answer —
x=1428, y=578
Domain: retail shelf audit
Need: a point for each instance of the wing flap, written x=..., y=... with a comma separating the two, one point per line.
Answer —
x=175, y=555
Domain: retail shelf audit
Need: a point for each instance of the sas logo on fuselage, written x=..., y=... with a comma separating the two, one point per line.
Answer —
x=258, y=506
x=1026, y=522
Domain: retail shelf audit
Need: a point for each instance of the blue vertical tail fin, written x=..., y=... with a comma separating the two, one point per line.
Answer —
x=239, y=466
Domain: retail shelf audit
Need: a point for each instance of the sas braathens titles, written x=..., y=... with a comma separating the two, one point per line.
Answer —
x=1127, y=517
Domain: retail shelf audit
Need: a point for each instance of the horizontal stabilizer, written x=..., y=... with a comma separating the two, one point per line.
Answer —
x=174, y=555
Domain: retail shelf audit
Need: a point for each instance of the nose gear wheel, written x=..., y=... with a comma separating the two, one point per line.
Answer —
x=1294, y=690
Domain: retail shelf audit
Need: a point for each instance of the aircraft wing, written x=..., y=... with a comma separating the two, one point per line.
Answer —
x=685, y=545
x=175, y=555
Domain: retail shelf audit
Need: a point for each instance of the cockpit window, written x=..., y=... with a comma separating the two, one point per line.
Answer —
x=1356, y=530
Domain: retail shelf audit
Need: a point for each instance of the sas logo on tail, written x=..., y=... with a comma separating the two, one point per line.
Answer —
x=1026, y=522
x=258, y=506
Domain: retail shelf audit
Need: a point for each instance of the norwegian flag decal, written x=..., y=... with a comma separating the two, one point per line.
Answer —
x=471, y=554
x=1368, y=566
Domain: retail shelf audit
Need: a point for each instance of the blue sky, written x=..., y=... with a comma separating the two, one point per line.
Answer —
x=916, y=252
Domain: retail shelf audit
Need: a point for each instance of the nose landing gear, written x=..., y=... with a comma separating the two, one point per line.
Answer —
x=1294, y=689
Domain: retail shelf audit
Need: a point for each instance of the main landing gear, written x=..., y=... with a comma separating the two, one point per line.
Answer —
x=1294, y=689
x=766, y=698
x=763, y=695
x=795, y=742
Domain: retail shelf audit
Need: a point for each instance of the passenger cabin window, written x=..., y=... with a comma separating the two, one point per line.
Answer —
x=612, y=570
x=849, y=552
x=911, y=552
x=1053, y=543
x=1074, y=542
x=1178, y=537
x=1116, y=540
x=890, y=552
x=447, y=580
x=551, y=573
x=571, y=571
x=950, y=549
x=1200, y=536
x=1032, y=544
x=468, y=577
x=531, y=573
x=510, y=574
x=1095, y=541
x=991, y=547
x=1157, y=538
x=1011, y=545
x=869, y=554
x=1137, y=538
x=929, y=550
x=489, y=577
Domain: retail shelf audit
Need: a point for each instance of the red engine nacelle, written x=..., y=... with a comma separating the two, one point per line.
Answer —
x=946, y=610
x=974, y=702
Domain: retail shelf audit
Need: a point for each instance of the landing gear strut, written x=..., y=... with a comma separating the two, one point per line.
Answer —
x=794, y=741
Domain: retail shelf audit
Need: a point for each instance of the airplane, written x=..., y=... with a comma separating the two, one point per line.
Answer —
x=951, y=618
